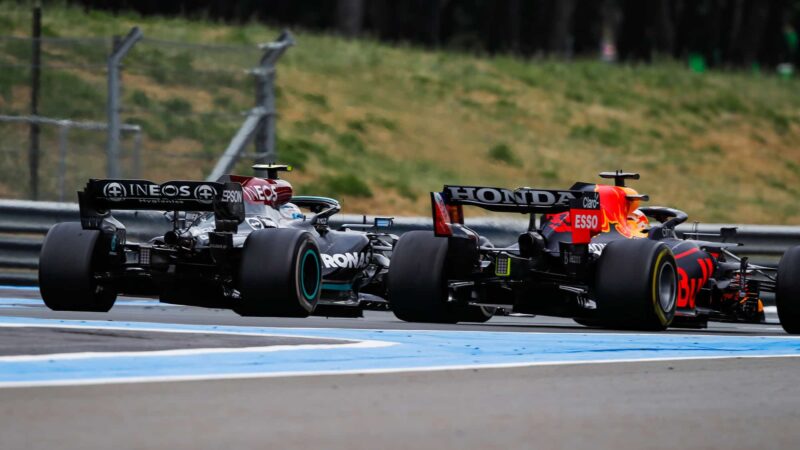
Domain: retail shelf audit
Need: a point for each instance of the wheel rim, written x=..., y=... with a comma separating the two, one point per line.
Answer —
x=666, y=287
x=309, y=275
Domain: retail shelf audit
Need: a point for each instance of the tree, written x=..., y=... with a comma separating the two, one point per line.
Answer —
x=349, y=17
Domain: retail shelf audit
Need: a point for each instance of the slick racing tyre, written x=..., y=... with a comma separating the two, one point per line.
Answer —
x=417, y=283
x=474, y=313
x=636, y=285
x=787, y=291
x=69, y=259
x=589, y=322
x=280, y=274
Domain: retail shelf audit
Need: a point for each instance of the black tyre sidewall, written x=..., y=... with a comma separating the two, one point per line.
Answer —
x=67, y=263
x=417, y=284
x=787, y=292
x=474, y=313
x=271, y=273
x=627, y=283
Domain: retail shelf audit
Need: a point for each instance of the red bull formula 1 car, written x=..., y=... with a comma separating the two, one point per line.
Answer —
x=590, y=253
x=241, y=243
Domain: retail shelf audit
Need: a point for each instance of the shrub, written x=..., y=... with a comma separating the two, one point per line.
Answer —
x=503, y=153
x=346, y=184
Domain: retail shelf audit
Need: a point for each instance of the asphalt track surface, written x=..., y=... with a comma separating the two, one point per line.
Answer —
x=709, y=397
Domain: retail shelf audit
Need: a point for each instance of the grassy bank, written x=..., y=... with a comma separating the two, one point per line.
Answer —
x=381, y=126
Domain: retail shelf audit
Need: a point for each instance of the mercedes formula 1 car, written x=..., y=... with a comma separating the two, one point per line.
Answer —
x=590, y=253
x=241, y=243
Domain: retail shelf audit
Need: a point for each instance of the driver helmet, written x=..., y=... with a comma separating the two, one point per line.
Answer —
x=290, y=211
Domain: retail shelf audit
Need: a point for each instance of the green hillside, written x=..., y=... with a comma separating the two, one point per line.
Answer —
x=380, y=126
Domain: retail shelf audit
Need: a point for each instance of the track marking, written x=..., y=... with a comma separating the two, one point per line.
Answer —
x=245, y=376
x=385, y=351
x=346, y=343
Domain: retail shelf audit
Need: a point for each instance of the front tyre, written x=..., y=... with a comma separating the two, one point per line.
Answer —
x=280, y=274
x=636, y=285
x=69, y=259
x=787, y=291
x=417, y=283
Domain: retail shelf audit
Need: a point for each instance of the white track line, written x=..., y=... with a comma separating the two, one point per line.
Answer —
x=347, y=343
x=243, y=376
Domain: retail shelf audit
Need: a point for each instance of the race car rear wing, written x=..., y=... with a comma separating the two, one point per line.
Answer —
x=100, y=197
x=583, y=205
x=521, y=200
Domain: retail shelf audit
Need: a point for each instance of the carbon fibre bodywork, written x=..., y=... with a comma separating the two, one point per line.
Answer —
x=198, y=261
x=552, y=269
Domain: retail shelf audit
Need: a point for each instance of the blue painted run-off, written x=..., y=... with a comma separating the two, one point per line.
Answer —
x=411, y=350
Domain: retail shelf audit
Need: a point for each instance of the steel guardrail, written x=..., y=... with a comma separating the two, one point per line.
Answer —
x=23, y=225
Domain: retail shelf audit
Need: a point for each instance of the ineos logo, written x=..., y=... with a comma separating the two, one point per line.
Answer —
x=169, y=190
x=114, y=191
x=204, y=193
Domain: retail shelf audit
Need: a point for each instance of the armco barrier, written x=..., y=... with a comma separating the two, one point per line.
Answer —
x=23, y=225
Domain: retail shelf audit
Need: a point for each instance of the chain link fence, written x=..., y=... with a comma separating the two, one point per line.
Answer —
x=180, y=105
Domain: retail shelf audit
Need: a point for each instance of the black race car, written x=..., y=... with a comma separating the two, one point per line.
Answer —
x=592, y=255
x=241, y=243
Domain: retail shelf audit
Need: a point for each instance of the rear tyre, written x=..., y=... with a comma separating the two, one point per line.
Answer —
x=69, y=258
x=417, y=283
x=473, y=313
x=280, y=274
x=637, y=285
x=589, y=322
x=787, y=292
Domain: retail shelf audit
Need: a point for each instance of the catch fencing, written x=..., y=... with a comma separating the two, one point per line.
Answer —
x=23, y=225
x=131, y=107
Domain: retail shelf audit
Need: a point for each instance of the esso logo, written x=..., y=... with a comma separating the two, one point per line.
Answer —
x=586, y=222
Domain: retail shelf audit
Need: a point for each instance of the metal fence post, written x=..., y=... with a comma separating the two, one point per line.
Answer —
x=265, y=96
x=119, y=52
x=36, y=75
x=261, y=119
x=63, y=130
x=137, y=154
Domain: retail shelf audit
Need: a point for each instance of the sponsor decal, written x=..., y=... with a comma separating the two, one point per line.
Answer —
x=145, y=191
x=520, y=197
x=690, y=282
x=259, y=223
x=592, y=202
x=597, y=248
x=231, y=196
x=260, y=193
x=350, y=260
x=171, y=190
x=205, y=193
x=255, y=223
x=114, y=191
x=585, y=222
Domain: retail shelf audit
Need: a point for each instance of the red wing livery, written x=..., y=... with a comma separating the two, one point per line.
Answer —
x=592, y=253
